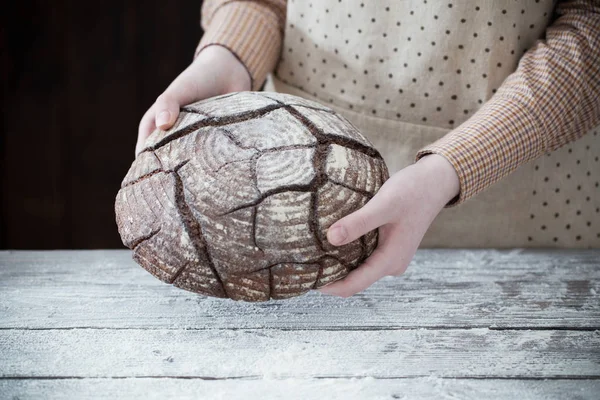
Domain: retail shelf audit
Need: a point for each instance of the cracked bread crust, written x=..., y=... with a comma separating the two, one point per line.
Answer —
x=235, y=200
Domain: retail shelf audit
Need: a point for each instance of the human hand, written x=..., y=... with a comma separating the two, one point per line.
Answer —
x=215, y=71
x=402, y=209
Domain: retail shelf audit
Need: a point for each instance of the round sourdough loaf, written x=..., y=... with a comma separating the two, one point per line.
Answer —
x=235, y=200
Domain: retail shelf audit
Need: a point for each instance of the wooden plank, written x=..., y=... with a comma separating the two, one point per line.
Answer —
x=163, y=53
x=442, y=288
x=33, y=150
x=74, y=89
x=102, y=125
x=307, y=389
x=218, y=353
x=117, y=66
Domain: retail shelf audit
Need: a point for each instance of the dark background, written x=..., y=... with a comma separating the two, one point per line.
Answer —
x=77, y=77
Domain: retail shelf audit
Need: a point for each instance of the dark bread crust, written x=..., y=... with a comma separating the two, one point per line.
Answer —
x=236, y=199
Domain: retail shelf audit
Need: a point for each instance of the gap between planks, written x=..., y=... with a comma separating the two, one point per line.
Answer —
x=321, y=328
x=318, y=377
x=306, y=389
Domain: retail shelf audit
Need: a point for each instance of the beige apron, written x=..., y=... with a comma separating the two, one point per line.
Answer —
x=406, y=73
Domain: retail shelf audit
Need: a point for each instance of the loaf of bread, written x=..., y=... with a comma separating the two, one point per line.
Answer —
x=235, y=200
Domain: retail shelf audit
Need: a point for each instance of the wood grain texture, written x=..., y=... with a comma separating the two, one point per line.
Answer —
x=88, y=73
x=450, y=353
x=305, y=389
x=460, y=324
x=241, y=185
x=35, y=49
x=524, y=289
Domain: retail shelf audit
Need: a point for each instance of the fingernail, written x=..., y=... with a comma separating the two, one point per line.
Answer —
x=337, y=235
x=163, y=118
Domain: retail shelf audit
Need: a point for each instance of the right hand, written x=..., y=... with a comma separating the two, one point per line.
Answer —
x=215, y=71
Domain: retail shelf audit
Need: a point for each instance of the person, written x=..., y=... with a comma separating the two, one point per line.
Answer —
x=473, y=102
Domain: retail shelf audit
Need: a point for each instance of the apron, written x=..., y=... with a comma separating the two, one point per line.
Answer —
x=406, y=73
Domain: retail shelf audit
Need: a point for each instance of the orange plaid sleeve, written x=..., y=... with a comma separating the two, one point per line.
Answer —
x=251, y=30
x=551, y=99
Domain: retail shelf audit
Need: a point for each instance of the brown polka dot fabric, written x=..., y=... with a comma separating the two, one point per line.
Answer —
x=436, y=62
x=565, y=195
x=439, y=77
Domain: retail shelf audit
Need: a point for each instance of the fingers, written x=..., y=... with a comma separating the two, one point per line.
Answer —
x=183, y=90
x=389, y=258
x=373, y=269
x=353, y=226
x=146, y=127
x=166, y=110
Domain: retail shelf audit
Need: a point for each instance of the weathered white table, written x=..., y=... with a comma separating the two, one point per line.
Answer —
x=460, y=324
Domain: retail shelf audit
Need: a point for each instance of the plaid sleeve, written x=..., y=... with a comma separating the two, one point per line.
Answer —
x=551, y=99
x=251, y=30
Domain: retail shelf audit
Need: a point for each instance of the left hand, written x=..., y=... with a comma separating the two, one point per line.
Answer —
x=402, y=209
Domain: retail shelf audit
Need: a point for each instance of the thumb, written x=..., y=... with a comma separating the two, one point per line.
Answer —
x=183, y=90
x=360, y=222
x=167, y=110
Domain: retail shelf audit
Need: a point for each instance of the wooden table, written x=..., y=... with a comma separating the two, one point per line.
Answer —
x=477, y=324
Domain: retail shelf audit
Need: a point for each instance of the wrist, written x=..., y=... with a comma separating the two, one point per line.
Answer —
x=439, y=179
x=227, y=65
